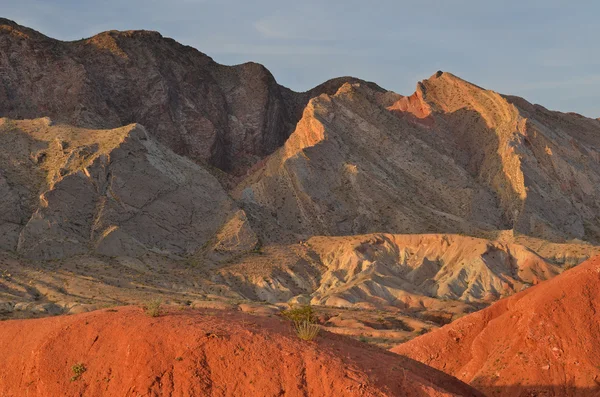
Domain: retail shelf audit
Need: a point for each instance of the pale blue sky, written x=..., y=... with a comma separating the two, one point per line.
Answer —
x=546, y=51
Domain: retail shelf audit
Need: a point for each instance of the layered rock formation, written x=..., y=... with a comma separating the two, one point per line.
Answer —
x=70, y=191
x=543, y=341
x=452, y=157
x=410, y=272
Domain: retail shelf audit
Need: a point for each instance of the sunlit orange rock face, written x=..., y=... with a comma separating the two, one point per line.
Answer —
x=543, y=341
x=124, y=352
x=414, y=108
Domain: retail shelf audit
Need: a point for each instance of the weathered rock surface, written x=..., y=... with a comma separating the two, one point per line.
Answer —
x=353, y=167
x=449, y=273
x=346, y=196
x=453, y=157
x=227, y=116
x=542, y=341
x=112, y=192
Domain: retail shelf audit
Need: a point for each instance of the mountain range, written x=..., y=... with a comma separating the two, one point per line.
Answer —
x=132, y=166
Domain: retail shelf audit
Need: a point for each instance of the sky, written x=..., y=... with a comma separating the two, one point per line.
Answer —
x=545, y=51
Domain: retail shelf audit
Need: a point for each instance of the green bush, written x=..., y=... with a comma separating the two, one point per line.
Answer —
x=78, y=370
x=304, y=320
x=152, y=308
x=300, y=314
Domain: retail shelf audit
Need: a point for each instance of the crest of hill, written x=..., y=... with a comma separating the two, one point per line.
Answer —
x=542, y=340
x=201, y=353
x=227, y=116
x=451, y=157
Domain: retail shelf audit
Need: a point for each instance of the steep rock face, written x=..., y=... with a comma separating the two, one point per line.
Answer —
x=352, y=166
x=229, y=117
x=451, y=157
x=114, y=192
x=542, y=341
x=543, y=166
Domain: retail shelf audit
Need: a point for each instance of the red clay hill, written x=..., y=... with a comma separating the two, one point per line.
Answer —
x=542, y=341
x=124, y=352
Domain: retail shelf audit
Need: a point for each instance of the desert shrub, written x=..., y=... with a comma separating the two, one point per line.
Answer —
x=300, y=314
x=304, y=320
x=307, y=330
x=78, y=370
x=152, y=308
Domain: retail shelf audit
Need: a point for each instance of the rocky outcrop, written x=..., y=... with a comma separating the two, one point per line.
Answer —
x=409, y=270
x=453, y=157
x=352, y=166
x=543, y=166
x=226, y=116
x=113, y=192
x=449, y=273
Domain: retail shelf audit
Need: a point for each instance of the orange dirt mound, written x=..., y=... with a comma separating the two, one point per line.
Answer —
x=123, y=352
x=542, y=341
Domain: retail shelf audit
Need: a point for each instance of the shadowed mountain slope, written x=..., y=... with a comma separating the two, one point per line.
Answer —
x=453, y=157
x=226, y=116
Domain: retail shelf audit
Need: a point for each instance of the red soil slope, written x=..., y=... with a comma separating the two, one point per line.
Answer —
x=191, y=353
x=543, y=341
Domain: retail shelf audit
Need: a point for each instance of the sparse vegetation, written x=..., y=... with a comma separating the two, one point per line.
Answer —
x=300, y=314
x=153, y=307
x=258, y=248
x=304, y=320
x=78, y=370
x=307, y=330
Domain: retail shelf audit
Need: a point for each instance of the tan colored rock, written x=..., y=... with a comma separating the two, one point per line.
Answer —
x=77, y=309
x=265, y=310
x=235, y=237
x=113, y=192
x=218, y=305
x=453, y=157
